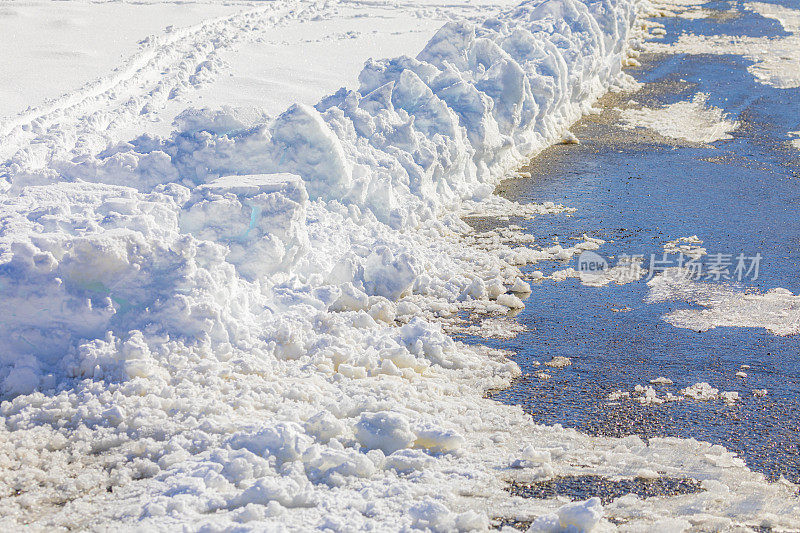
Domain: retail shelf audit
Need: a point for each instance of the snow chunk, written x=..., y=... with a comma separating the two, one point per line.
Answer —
x=285, y=441
x=559, y=361
x=530, y=457
x=431, y=515
x=569, y=138
x=260, y=218
x=323, y=426
x=408, y=461
x=511, y=301
x=385, y=430
x=574, y=517
x=307, y=146
x=438, y=440
x=701, y=391
x=729, y=397
x=388, y=275
x=287, y=492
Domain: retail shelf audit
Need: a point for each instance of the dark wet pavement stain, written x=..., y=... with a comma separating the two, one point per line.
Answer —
x=585, y=487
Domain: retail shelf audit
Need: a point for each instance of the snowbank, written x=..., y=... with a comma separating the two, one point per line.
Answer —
x=417, y=140
x=239, y=325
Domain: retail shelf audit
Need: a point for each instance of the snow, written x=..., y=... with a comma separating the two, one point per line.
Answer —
x=693, y=120
x=701, y=391
x=317, y=55
x=530, y=457
x=688, y=246
x=776, y=60
x=648, y=395
x=729, y=397
x=491, y=327
x=559, y=361
x=48, y=52
x=689, y=9
x=241, y=323
x=795, y=141
x=572, y=517
x=722, y=304
x=626, y=270
x=385, y=431
x=705, y=392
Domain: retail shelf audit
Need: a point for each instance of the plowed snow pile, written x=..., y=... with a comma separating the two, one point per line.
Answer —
x=239, y=325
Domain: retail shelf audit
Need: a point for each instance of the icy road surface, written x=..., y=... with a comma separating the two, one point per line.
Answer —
x=698, y=161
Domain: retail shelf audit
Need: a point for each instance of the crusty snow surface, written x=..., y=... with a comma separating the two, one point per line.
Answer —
x=693, y=120
x=241, y=323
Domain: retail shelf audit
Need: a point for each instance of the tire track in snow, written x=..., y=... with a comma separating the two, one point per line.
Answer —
x=168, y=67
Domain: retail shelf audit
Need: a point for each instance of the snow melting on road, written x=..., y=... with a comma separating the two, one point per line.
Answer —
x=239, y=324
x=795, y=141
x=776, y=59
x=627, y=270
x=777, y=310
x=687, y=246
x=693, y=120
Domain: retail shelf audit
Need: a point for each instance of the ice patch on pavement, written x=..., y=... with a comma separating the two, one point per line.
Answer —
x=777, y=310
x=777, y=60
x=692, y=120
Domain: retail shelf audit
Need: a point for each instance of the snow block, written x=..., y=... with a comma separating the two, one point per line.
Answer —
x=305, y=145
x=259, y=218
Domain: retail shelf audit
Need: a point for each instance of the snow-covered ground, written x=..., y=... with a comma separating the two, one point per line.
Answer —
x=51, y=49
x=221, y=314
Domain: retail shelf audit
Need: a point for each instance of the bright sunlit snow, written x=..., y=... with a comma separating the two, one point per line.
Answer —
x=227, y=284
x=692, y=120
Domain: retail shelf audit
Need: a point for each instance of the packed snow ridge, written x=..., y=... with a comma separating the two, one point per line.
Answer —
x=237, y=326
